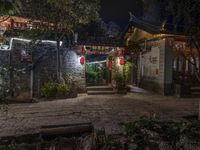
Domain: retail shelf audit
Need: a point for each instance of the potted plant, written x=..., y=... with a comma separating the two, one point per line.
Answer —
x=181, y=85
x=120, y=83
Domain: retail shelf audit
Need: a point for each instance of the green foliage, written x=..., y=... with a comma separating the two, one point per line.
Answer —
x=96, y=73
x=91, y=74
x=120, y=81
x=128, y=67
x=193, y=130
x=62, y=89
x=6, y=8
x=64, y=14
x=136, y=127
x=54, y=90
x=48, y=90
x=147, y=131
x=8, y=77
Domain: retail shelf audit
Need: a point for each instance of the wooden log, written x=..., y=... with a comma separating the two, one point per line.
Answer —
x=66, y=130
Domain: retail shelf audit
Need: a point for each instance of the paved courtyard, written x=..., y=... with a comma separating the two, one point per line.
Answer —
x=104, y=111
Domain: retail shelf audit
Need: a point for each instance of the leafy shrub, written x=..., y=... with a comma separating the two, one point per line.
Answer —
x=147, y=132
x=8, y=78
x=92, y=77
x=62, y=90
x=54, y=90
x=48, y=90
x=72, y=85
x=120, y=81
x=128, y=67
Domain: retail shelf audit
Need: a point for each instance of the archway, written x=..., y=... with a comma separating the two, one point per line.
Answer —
x=100, y=63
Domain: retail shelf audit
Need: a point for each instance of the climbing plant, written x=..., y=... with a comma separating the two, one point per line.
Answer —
x=128, y=67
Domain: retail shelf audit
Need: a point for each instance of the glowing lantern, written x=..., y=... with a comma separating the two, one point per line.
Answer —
x=121, y=62
x=82, y=50
x=121, y=52
x=82, y=60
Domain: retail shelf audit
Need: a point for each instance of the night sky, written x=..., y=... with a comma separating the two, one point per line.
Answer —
x=118, y=10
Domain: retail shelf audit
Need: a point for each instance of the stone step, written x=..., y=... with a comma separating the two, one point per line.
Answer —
x=195, y=89
x=99, y=88
x=195, y=95
x=195, y=92
x=100, y=92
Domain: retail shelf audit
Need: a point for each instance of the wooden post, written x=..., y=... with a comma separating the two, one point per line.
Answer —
x=199, y=111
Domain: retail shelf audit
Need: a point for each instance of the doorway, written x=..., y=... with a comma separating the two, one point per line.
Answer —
x=96, y=70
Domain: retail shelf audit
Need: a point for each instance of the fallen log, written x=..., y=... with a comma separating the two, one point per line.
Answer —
x=68, y=130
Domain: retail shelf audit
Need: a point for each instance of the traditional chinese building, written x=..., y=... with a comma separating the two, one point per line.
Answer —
x=160, y=56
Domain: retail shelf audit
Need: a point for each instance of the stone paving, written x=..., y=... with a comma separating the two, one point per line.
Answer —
x=104, y=111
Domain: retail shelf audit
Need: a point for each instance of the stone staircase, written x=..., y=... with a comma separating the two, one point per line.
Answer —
x=100, y=90
x=195, y=91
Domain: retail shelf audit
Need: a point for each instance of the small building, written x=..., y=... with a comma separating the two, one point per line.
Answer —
x=90, y=61
x=159, y=57
x=40, y=65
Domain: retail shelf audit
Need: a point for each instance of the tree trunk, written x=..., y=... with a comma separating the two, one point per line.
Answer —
x=58, y=69
x=199, y=111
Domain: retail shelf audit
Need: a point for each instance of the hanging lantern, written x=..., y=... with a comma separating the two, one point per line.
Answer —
x=121, y=52
x=82, y=60
x=121, y=62
x=83, y=51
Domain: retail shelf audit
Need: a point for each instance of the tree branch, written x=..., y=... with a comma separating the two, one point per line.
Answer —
x=4, y=19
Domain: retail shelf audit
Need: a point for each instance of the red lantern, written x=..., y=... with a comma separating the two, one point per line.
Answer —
x=122, y=62
x=82, y=60
x=82, y=50
x=122, y=52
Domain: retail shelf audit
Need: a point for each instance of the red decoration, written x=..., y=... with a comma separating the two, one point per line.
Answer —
x=83, y=51
x=122, y=52
x=82, y=60
x=122, y=62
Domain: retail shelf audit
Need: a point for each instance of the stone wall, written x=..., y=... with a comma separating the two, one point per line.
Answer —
x=4, y=57
x=71, y=66
x=4, y=60
x=21, y=81
x=42, y=68
x=45, y=68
